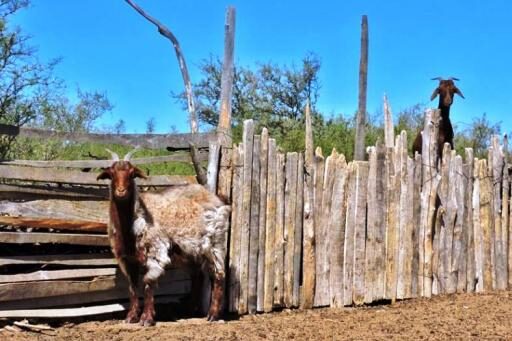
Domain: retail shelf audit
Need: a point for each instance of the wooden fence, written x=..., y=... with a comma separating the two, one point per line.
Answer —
x=55, y=258
x=392, y=227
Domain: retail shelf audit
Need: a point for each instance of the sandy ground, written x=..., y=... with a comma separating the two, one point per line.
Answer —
x=464, y=317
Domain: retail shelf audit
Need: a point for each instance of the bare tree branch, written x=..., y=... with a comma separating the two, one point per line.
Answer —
x=163, y=30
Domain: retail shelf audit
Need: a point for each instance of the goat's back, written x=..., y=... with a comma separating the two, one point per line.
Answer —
x=182, y=209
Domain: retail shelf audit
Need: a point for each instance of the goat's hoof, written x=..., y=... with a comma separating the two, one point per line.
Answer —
x=146, y=321
x=131, y=319
x=212, y=317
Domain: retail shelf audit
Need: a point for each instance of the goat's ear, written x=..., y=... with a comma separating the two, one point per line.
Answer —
x=138, y=173
x=458, y=92
x=105, y=174
x=434, y=94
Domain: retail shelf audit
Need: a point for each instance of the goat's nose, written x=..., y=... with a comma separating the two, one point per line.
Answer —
x=121, y=191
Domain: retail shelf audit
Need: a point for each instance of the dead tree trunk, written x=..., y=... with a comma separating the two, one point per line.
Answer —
x=359, y=150
x=163, y=30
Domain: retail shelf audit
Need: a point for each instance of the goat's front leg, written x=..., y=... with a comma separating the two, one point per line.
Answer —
x=131, y=270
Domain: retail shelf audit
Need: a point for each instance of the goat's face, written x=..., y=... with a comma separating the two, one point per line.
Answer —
x=446, y=90
x=122, y=175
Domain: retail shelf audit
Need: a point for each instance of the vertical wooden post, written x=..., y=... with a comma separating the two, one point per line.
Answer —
x=392, y=221
x=235, y=232
x=213, y=166
x=501, y=232
x=319, y=168
x=430, y=183
x=359, y=151
x=336, y=233
x=289, y=225
x=224, y=126
x=270, y=227
x=263, y=219
x=255, y=223
x=468, y=170
x=486, y=224
x=375, y=215
x=389, y=131
x=308, y=266
x=248, y=141
x=348, y=248
x=279, y=236
x=416, y=199
x=322, y=242
x=360, y=231
x=297, y=245
x=460, y=253
x=477, y=231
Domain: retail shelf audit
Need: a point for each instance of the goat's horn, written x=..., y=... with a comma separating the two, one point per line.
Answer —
x=128, y=155
x=437, y=79
x=115, y=157
x=453, y=79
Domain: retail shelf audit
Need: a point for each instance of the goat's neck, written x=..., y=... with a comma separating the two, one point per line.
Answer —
x=122, y=215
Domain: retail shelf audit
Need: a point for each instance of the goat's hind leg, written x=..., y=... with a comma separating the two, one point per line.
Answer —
x=218, y=276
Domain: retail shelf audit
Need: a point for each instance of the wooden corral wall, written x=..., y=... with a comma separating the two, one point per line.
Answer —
x=54, y=251
x=349, y=233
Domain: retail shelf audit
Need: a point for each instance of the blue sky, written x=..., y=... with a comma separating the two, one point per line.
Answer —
x=105, y=45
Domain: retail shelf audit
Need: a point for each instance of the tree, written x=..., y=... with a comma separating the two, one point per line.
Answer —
x=150, y=125
x=274, y=96
x=477, y=136
x=25, y=82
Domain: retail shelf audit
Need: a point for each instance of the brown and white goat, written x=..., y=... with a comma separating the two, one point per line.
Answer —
x=446, y=90
x=148, y=231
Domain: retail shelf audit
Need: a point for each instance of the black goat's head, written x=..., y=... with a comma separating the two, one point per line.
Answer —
x=122, y=174
x=446, y=90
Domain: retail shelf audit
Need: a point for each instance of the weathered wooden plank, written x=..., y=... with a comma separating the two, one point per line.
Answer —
x=212, y=171
x=469, y=171
x=255, y=224
x=459, y=255
x=35, y=192
x=321, y=232
x=48, y=275
x=436, y=251
x=348, y=248
x=500, y=231
x=177, y=157
x=290, y=199
x=389, y=131
x=270, y=227
x=309, y=263
x=416, y=198
x=93, y=211
x=392, y=224
x=449, y=276
x=226, y=83
x=319, y=170
x=56, y=238
x=56, y=224
x=177, y=141
x=83, y=178
x=478, y=230
x=224, y=182
x=93, y=259
x=374, y=215
x=360, y=231
x=486, y=224
x=56, y=293
x=403, y=287
x=235, y=231
x=262, y=219
x=248, y=140
x=279, y=237
x=336, y=232
x=297, y=246
x=430, y=183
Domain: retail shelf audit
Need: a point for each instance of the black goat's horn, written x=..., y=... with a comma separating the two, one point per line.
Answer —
x=128, y=155
x=437, y=79
x=115, y=157
x=453, y=79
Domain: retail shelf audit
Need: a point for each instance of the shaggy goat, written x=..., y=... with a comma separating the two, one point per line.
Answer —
x=149, y=230
x=446, y=90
